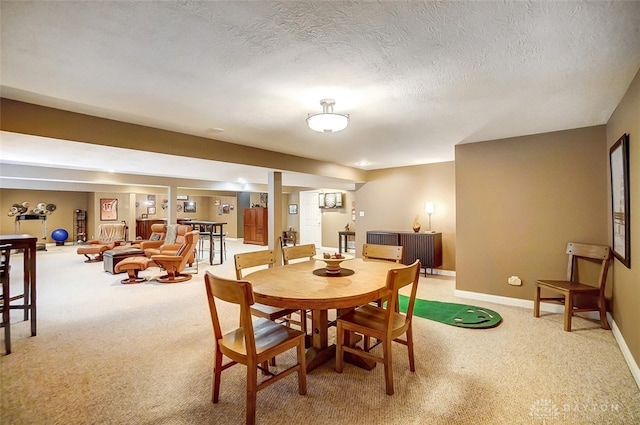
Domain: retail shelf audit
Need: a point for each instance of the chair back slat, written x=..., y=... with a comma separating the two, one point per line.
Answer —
x=234, y=292
x=396, y=280
x=5, y=255
x=247, y=260
x=299, y=251
x=594, y=253
x=382, y=252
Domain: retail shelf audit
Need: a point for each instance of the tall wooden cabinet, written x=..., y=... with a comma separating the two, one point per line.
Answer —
x=256, y=226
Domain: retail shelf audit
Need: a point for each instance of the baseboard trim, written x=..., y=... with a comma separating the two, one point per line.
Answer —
x=440, y=272
x=556, y=308
x=631, y=362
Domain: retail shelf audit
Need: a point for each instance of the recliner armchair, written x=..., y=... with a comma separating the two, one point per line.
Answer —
x=166, y=246
x=172, y=264
x=158, y=234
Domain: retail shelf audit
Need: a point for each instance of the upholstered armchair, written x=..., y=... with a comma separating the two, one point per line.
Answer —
x=108, y=236
x=171, y=244
x=174, y=265
x=156, y=239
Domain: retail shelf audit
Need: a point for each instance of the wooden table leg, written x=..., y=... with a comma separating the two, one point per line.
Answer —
x=32, y=284
x=320, y=352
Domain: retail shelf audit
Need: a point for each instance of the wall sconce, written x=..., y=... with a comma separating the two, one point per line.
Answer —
x=429, y=208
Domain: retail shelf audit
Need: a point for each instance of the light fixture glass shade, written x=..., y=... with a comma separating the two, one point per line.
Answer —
x=327, y=121
x=429, y=208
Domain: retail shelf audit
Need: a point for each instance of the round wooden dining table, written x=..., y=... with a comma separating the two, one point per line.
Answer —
x=296, y=286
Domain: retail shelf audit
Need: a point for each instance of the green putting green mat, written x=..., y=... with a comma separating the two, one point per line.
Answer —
x=461, y=315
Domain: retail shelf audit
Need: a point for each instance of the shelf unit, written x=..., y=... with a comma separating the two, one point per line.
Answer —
x=79, y=226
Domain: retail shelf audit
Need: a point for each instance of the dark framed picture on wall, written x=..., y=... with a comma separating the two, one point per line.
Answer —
x=190, y=207
x=619, y=165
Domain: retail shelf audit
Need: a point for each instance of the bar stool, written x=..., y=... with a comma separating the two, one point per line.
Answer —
x=223, y=248
x=203, y=242
x=5, y=253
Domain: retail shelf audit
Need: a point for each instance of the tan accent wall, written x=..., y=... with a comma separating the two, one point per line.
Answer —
x=392, y=198
x=231, y=228
x=626, y=282
x=63, y=217
x=519, y=202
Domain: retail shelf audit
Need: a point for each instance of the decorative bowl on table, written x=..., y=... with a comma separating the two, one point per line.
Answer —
x=333, y=262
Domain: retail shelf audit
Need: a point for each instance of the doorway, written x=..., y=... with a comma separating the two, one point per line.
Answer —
x=310, y=219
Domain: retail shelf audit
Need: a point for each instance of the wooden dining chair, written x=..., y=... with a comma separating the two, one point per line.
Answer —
x=247, y=260
x=5, y=297
x=290, y=253
x=385, y=253
x=299, y=251
x=384, y=323
x=382, y=252
x=252, y=344
x=575, y=293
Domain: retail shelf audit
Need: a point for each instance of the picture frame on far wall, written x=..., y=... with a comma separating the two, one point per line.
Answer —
x=620, y=202
x=151, y=210
x=189, y=207
x=293, y=208
x=108, y=209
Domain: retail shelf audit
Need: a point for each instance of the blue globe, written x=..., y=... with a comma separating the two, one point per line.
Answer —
x=59, y=235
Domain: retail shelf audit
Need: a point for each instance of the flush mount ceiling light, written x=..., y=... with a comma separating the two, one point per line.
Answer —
x=327, y=121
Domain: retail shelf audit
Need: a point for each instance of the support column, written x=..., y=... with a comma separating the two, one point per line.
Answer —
x=274, y=203
x=172, y=214
x=131, y=218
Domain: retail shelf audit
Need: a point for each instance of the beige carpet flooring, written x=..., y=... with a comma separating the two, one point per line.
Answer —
x=108, y=353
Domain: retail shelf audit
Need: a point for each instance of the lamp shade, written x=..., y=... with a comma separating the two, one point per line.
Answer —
x=429, y=208
x=327, y=121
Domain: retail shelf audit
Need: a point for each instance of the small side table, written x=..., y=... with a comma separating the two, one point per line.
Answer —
x=28, y=244
x=289, y=236
x=343, y=239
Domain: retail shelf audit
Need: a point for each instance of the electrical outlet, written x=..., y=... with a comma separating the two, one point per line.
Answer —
x=515, y=281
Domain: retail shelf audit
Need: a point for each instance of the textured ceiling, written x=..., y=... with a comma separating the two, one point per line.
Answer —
x=416, y=77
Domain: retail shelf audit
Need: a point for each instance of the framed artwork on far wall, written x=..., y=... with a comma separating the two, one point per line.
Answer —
x=189, y=207
x=108, y=209
x=619, y=165
x=151, y=210
x=293, y=208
